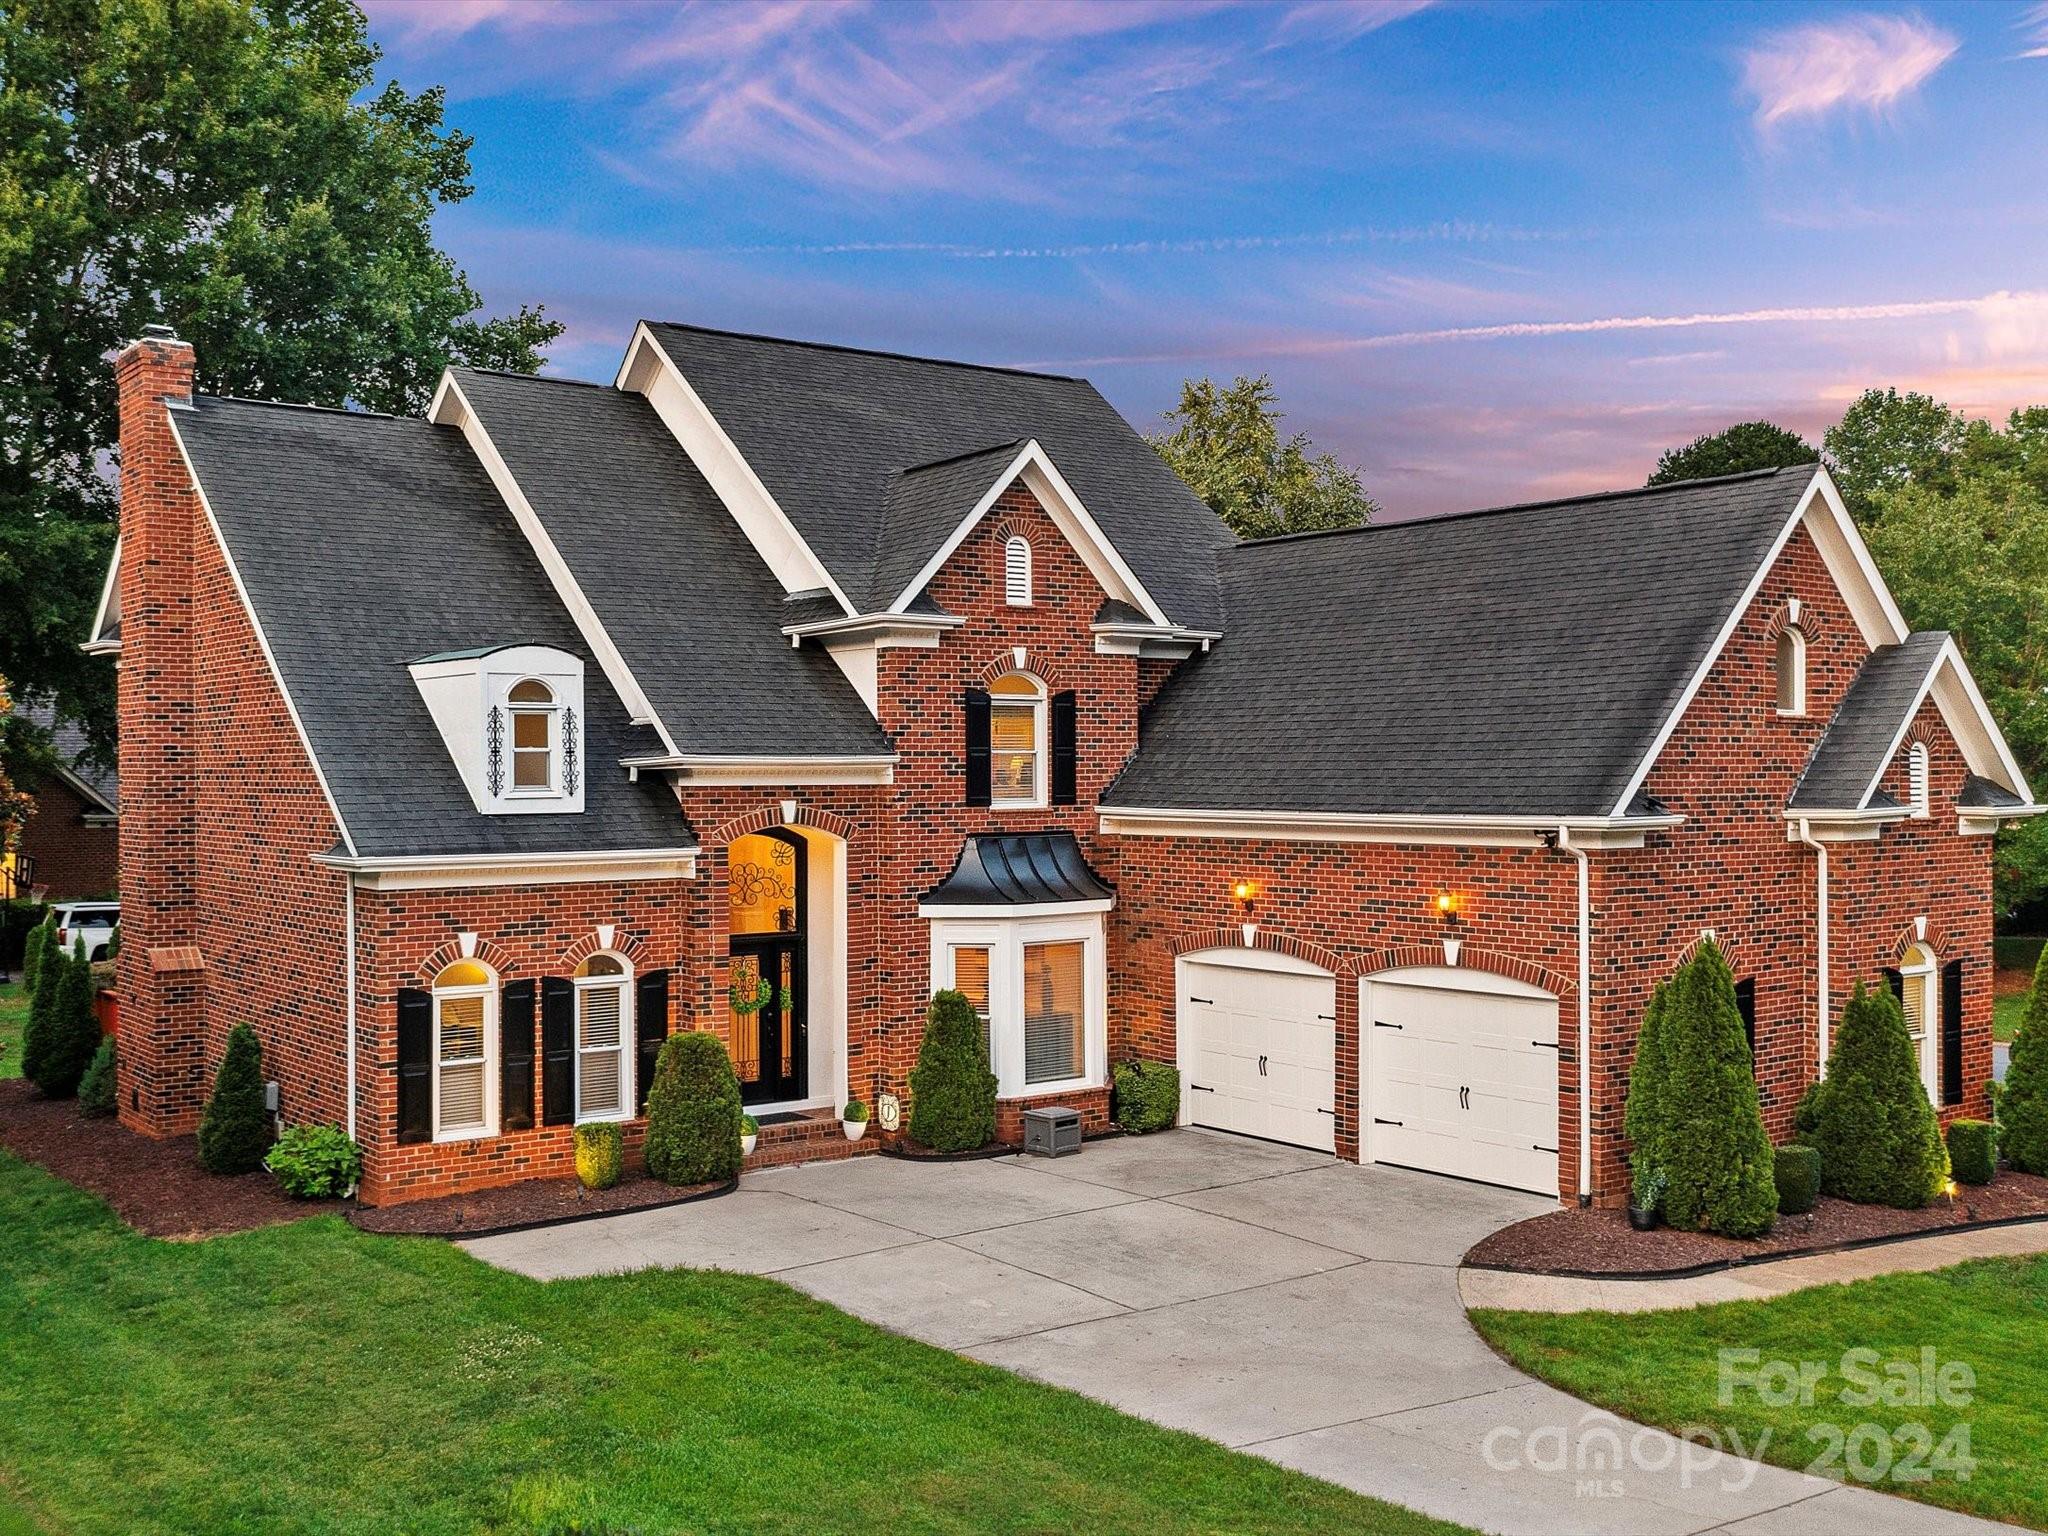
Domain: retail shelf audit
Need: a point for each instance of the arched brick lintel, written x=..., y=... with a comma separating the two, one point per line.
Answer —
x=771, y=816
x=1731, y=951
x=1937, y=940
x=1005, y=662
x=622, y=943
x=495, y=956
x=1262, y=938
x=1492, y=961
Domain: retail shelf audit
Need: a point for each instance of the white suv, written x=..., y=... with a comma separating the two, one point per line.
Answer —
x=93, y=921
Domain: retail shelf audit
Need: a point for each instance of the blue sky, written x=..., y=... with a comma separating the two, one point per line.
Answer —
x=1486, y=251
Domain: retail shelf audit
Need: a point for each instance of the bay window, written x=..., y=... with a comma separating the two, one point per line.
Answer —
x=1038, y=986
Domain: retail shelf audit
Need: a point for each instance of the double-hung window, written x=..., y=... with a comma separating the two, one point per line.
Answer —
x=533, y=737
x=465, y=1031
x=1038, y=986
x=604, y=1036
x=1017, y=741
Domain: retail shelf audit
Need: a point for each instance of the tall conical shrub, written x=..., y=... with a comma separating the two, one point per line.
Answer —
x=97, y=1091
x=1648, y=1076
x=41, y=940
x=40, y=1032
x=952, y=1091
x=2023, y=1104
x=1716, y=1152
x=71, y=1028
x=1878, y=1137
x=234, y=1133
x=693, y=1112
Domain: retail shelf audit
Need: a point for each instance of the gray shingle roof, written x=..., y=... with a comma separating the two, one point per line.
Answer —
x=826, y=427
x=1983, y=793
x=692, y=608
x=921, y=507
x=366, y=542
x=1019, y=870
x=68, y=741
x=1519, y=661
x=1858, y=742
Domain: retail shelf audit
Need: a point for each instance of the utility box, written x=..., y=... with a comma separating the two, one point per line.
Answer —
x=1054, y=1131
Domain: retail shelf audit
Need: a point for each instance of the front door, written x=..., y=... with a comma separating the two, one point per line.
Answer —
x=767, y=888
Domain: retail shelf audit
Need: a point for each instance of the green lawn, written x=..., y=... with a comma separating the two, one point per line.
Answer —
x=312, y=1378
x=2005, y=1015
x=13, y=1020
x=1665, y=1368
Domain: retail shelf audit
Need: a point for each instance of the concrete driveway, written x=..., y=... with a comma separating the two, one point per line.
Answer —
x=1297, y=1308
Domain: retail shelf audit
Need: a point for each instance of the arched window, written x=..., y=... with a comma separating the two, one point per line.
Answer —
x=1017, y=572
x=465, y=1048
x=1919, y=792
x=533, y=737
x=1920, y=997
x=1791, y=672
x=604, y=1038
x=1017, y=740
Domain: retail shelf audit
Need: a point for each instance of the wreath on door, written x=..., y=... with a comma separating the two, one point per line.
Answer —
x=750, y=993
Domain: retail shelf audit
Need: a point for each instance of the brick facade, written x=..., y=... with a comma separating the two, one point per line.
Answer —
x=74, y=858
x=226, y=812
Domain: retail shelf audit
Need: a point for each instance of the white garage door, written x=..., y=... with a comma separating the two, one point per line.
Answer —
x=1258, y=1042
x=1461, y=1076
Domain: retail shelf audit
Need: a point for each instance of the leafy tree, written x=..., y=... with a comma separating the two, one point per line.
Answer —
x=234, y=1133
x=2023, y=1105
x=1226, y=445
x=952, y=1091
x=1715, y=1151
x=1877, y=1134
x=693, y=1112
x=1886, y=440
x=1733, y=451
x=231, y=168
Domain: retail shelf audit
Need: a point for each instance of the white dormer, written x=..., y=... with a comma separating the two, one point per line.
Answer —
x=512, y=719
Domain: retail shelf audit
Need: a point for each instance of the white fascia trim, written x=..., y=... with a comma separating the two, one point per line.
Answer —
x=1045, y=481
x=227, y=557
x=1885, y=626
x=716, y=768
x=446, y=871
x=110, y=594
x=452, y=408
x=941, y=912
x=1871, y=816
x=2001, y=750
x=109, y=810
x=1151, y=641
x=732, y=478
x=872, y=626
x=1470, y=831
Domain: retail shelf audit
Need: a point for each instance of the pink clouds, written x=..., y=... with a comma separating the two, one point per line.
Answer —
x=1864, y=62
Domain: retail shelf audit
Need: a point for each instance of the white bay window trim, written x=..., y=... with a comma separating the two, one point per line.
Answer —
x=1006, y=939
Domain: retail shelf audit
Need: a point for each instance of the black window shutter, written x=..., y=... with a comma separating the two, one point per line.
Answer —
x=1896, y=980
x=1952, y=1032
x=415, y=1065
x=980, y=783
x=515, y=1055
x=650, y=1023
x=1065, y=748
x=1745, y=1004
x=557, y=1050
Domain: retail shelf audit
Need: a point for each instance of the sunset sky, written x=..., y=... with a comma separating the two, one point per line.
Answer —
x=1486, y=251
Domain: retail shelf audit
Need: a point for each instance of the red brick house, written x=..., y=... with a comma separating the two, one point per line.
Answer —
x=68, y=848
x=774, y=686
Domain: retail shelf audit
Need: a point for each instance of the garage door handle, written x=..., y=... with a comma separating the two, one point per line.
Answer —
x=1209, y=1000
x=1383, y=1024
x=1544, y=1045
x=1262, y=1066
x=1330, y=1017
x=1534, y=1148
x=1198, y=1088
x=1330, y=1112
x=1376, y=1120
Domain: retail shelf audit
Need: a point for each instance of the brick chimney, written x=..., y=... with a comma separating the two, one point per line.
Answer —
x=161, y=979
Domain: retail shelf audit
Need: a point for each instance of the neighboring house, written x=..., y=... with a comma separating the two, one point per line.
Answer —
x=776, y=685
x=70, y=844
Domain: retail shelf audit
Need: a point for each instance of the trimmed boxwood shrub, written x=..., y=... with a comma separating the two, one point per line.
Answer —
x=1715, y=1153
x=1796, y=1169
x=693, y=1112
x=1643, y=1119
x=1147, y=1096
x=2023, y=1101
x=952, y=1091
x=315, y=1162
x=1877, y=1134
x=96, y=1090
x=1973, y=1150
x=600, y=1154
x=234, y=1133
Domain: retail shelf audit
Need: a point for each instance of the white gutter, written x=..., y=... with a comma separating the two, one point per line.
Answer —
x=348, y=896
x=1564, y=841
x=1820, y=849
x=487, y=861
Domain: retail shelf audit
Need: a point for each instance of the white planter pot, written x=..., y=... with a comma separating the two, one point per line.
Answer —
x=855, y=1129
x=747, y=1145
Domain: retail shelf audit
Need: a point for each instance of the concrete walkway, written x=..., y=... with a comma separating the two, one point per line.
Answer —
x=1751, y=1282
x=1300, y=1309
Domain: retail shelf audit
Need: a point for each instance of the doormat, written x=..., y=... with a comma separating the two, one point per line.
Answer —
x=787, y=1117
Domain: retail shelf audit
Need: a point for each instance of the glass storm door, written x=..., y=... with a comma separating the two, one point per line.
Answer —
x=767, y=887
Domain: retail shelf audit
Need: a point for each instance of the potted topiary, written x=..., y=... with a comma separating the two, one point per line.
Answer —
x=750, y=1135
x=1646, y=1194
x=854, y=1119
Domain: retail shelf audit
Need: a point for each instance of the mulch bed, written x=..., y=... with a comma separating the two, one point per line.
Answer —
x=1600, y=1243
x=534, y=1203
x=157, y=1187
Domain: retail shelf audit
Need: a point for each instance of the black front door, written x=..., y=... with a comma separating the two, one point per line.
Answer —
x=768, y=887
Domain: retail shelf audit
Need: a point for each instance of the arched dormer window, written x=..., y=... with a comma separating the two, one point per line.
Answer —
x=1919, y=792
x=534, y=735
x=1017, y=740
x=1017, y=571
x=1791, y=672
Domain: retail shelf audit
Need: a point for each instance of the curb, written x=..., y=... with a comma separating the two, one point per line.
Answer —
x=464, y=1234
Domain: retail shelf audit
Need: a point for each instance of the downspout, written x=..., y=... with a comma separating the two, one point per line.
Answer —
x=348, y=897
x=1564, y=841
x=1821, y=945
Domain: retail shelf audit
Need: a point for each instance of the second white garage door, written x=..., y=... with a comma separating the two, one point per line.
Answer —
x=1461, y=1076
x=1259, y=1047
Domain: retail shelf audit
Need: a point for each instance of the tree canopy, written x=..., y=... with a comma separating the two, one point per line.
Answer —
x=1886, y=440
x=225, y=167
x=1733, y=451
x=1226, y=445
